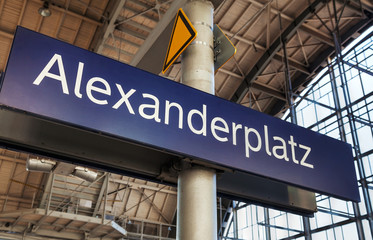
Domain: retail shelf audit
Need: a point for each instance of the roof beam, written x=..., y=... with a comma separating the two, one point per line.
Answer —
x=16, y=221
x=277, y=56
x=133, y=33
x=153, y=205
x=367, y=4
x=13, y=159
x=121, y=51
x=6, y=34
x=101, y=195
x=155, y=44
x=152, y=52
x=318, y=34
x=17, y=213
x=272, y=50
x=242, y=39
x=134, y=185
x=47, y=189
x=66, y=226
x=139, y=26
x=315, y=66
x=25, y=184
x=135, y=14
x=71, y=13
x=109, y=27
x=295, y=65
x=306, y=28
x=269, y=90
x=42, y=233
x=258, y=86
x=230, y=73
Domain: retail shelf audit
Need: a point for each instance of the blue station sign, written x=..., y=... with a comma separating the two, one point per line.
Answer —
x=60, y=82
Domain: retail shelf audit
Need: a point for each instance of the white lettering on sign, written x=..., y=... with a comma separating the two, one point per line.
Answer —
x=215, y=127
x=154, y=107
x=91, y=88
x=201, y=115
x=167, y=113
x=124, y=99
x=62, y=77
x=99, y=91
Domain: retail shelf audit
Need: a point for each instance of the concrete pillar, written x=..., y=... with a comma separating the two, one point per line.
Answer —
x=197, y=212
x=197, y=63
x=196, y=205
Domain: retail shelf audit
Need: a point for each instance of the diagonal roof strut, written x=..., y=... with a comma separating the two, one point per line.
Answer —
x=272, y=50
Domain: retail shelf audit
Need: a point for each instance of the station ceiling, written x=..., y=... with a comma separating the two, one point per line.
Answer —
x=135, y=32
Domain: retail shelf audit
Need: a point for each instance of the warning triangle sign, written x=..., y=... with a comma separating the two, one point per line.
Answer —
x=183, y=34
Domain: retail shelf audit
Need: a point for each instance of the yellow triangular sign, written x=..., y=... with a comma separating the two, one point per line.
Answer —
x=183, y=33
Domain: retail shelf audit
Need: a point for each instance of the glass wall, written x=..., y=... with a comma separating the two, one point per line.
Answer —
x=338, y=103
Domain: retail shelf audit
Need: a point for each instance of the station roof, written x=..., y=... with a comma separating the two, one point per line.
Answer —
x=135, y=32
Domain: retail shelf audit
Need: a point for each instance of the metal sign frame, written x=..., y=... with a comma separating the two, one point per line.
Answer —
x=79, y=88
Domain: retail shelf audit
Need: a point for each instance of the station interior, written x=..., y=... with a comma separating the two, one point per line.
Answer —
x=308, y=62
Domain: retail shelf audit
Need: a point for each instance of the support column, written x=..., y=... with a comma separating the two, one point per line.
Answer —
x=235, y=219
x=293, y=117
x=196, y=199
x=342, y=134
x=267, y=223
x=288, y=85
x=307, y=228
x=355, y=139
x=197, y=63
x=196, y=204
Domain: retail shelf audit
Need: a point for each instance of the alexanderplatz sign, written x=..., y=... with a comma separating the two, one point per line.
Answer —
x=67, y=86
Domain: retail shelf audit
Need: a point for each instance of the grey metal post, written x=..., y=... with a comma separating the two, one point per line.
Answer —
x=355, y=139
x=307, y=228
x=196, y=201
x=267, y=223
x=288, y=85
x=352, y=125
x=235, y=220
x=342, y=134
x=50, y=194
x=293, y=117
